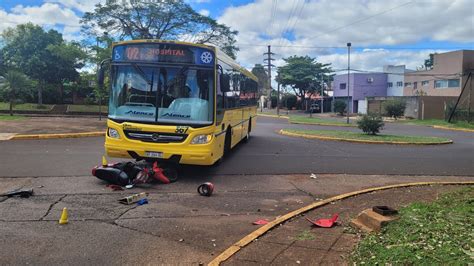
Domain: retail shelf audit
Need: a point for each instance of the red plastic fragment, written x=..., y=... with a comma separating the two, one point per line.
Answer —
x=158, y=174
x=114, y=187
x=326, y=223
x=261, y=222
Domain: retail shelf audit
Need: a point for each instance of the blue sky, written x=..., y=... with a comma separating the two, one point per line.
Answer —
x=381, y=31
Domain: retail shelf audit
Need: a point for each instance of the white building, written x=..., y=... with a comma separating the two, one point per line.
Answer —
x=395, y=79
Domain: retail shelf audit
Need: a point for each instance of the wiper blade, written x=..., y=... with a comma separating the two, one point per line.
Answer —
x=142, y=73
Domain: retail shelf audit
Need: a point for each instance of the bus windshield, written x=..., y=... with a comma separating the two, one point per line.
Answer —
x=181, y=95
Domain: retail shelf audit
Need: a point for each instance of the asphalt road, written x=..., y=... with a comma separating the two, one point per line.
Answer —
x=266, y=153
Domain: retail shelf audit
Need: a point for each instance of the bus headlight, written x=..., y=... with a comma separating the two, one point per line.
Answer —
x=113, y=133
x=201, y=139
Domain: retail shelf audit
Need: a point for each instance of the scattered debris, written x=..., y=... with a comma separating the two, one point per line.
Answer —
x=313, y=176
x=64, y=217
x=326, y=223
x=133, y=198
x=181, y=240
x=129, y=186
x=142, y=202
x=206, y=189
x=384, y=210
x=114, y=187
x=23, y=193
x=261, y=222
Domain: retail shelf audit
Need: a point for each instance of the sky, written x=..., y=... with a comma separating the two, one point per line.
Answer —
x=381, y=31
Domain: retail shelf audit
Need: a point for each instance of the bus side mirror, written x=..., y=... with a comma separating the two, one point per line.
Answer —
x=225, y=83
x=101, y=72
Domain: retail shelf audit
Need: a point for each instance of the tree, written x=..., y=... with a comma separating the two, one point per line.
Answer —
x=395, y=108
x=69, y=58
x=259, y=71
x=303, y=74
x=12, y=83
x=340, y=107
x=429, y=62
x=370, y=124
x=165, y=20
x=42, y=55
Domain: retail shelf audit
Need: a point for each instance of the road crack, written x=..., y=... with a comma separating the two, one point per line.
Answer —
x=51, y=207
x=304, y=191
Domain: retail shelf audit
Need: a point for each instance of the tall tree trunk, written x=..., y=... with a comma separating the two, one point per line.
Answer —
x=11, y=102
x=61, y=93
x=40, y=93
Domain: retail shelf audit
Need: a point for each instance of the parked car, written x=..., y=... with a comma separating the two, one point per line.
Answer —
x=314, y=108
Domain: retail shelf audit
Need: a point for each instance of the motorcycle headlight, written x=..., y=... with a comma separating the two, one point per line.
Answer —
x=201, y=139
x=113, y=133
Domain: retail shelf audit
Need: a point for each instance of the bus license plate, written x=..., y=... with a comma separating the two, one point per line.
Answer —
x=154, y=154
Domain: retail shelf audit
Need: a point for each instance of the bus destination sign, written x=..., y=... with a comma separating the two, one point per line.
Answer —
x=162, y=53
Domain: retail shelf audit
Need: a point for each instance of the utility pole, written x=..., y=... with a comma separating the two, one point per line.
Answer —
x=322, y=93
x=278, y=99
x=348, y=78
x=269, y=60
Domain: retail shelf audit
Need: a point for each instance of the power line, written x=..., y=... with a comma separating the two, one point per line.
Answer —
x=361, y=47
x=292, y=12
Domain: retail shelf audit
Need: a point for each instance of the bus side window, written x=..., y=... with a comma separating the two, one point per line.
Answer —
x=220, y=95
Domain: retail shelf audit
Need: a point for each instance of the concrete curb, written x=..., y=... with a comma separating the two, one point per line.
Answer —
x=307, y=136
x=274, y=116
x=264, y=229
x=322, y=124
x=454, y=129
x=59, y=136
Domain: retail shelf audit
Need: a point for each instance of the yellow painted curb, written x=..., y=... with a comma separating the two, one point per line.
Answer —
x=262, y=230
x=274, y=116
x=322, y=124
x=59, y=136
x=307, y=136
x=454, y=129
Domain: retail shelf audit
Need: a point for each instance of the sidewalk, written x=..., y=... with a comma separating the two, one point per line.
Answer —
x=298, y=242
x=51, y=125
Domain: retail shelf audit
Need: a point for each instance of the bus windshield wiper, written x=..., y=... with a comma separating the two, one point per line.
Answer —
x=142, y=73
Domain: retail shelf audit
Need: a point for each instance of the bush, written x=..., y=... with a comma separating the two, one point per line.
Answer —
x=289, y=101
x=274, y=100
x=395, y=108
x=371, y=124
x=340, y=107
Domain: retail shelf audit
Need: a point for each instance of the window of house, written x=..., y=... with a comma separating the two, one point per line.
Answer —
x=408, y=84
x=453, y=83
x=425, y=83
x=415, y=85
x=390, y=84
x=399, y=83
x=342, y=86
x=446, y=83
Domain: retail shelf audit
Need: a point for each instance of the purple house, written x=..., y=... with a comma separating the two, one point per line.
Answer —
x=361, y=85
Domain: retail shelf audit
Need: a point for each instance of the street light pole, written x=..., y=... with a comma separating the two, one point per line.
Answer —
x=348, y=78
x=322, y=93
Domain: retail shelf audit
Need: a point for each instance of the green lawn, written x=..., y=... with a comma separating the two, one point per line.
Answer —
x=347, y=135
x=26, y=107
x=86, y=108
x=4, y=117
x=318, y=121
x=437, y=233
x=438, y=122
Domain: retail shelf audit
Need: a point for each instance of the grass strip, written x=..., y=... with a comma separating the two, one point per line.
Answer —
x=348, y=135
x=11, y=118
x=78, y=108
x=437, y=233
x=318, y=121
x=26, y=107
x=438, y=122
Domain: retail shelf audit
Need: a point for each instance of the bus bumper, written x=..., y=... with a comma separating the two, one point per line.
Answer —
x=183, y=153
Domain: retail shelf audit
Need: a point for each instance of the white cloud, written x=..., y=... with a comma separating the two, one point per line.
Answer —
x=204, y=12
x=80, y=5
x=334, y=23
x=47, y=14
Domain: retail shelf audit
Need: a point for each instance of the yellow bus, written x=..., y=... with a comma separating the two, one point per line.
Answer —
x=177, y=102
